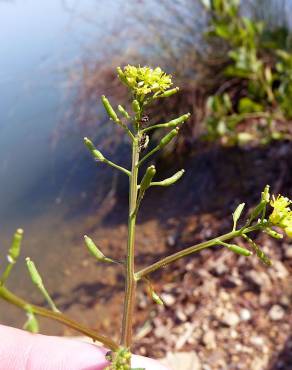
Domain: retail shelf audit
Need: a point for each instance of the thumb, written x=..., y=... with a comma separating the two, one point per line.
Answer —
x=20, y=350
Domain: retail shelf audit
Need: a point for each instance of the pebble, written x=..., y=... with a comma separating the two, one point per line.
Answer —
x=276, y=313
x=209, y=340
x=182, y=361
x=245, y=314
x=168, y=299
x=230, y=318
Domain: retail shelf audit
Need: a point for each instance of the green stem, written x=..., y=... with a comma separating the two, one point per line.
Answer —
x=11, y=298
x=193, y=249
x=110, y=163
x=130, y=289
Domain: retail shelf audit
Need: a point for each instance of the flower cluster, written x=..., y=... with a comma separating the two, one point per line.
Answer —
x=145, y=80
x=282, y=214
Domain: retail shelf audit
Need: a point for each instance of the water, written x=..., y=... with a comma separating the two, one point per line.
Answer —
x=43, y=177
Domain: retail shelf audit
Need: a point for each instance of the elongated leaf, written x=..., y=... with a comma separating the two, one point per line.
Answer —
x=237, y=213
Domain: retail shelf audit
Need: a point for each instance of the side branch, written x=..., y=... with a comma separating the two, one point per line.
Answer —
x=190, y=250
x=11, y=298
x=110, y=163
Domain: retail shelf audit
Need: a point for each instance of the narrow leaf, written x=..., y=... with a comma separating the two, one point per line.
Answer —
x=237, y=213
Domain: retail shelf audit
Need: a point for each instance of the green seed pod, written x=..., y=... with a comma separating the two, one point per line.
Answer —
x=168, y=93
x=171, y=180
x=14, y=250
x=34, y=274
x=273, y=233
x=167, y=138
x=239, y=250
x=95, y=153
x=147, y=178
x=156, y=298
x=123, y=111
x=136, y=106
x=178, y=121
x=110, y=111
x=95, y=251
x=260, y=254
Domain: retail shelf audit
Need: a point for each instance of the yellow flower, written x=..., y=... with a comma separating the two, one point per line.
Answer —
x=145, y=80
x=282, y=214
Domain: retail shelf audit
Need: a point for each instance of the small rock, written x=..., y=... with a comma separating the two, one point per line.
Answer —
x=288, y=251
x=257, y=341
x=209, y=340
x=259, y=278
x=230, y=318
x=182, y=361
x=280, y=270
x=181, y=315
x=245, y=314
x=276, y=313
x=168, y=299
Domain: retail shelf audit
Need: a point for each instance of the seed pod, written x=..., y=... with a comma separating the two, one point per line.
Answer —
x=260, y=254
x=95, y=251
x=239, y=250
x=178, y=121
x=34, y=274
x=147, y=178
x=168, y=93
x=95, y=153
x=123, y=111
x=167, y=138
x=171, y=180
x=110, y=111
x=136, y=106
x=14, y=250
x=156, y=298
x=273, y=233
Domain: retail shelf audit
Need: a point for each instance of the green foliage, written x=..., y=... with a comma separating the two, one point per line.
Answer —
x=263, y=71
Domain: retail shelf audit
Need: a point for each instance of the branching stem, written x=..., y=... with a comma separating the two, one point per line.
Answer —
x=193, y=249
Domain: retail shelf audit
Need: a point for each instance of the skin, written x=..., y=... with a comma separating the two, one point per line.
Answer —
x=20, y=350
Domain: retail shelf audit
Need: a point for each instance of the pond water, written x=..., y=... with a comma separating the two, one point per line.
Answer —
x=42, y=177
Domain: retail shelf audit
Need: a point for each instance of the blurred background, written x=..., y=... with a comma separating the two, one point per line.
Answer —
x=57, y=58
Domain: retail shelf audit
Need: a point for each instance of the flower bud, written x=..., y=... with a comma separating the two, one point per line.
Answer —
x=14, y=250
x=110, y=111
x=136, y=106
x=171, y=180
x=122, y=75
x=167, y=138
